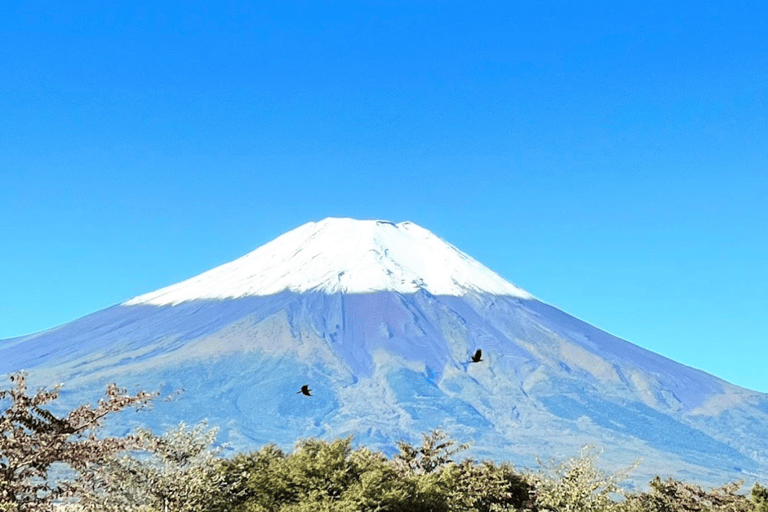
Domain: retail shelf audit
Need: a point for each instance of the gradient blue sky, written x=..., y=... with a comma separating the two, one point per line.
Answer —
x=610, y=158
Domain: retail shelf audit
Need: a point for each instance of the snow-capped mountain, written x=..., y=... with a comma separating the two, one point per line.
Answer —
x=381, y=320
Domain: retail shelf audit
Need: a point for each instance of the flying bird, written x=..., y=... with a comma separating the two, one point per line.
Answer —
x=476, y=357
x=305, y=390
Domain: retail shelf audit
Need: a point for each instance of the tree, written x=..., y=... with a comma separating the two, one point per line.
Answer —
x=440, y=483
x=33, y=440
x=760, y=498
x=485, y=487
x=672, y=495
x=321, y=475
x=435, y=452
x=173, y=472
x=577, y=485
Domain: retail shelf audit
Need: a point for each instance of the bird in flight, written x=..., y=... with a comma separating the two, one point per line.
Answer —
x=477, y=356
x=305, y=390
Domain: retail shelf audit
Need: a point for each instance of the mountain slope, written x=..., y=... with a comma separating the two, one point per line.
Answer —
x=381, y=320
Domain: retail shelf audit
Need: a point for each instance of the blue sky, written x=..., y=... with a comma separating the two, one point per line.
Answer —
x=609, y=158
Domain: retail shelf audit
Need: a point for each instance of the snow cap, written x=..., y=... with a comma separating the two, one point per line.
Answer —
x=343, y=256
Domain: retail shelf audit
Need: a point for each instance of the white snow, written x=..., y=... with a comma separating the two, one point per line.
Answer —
x=342, y=255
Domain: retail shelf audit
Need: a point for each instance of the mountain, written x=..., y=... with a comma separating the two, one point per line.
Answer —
x=381, y=320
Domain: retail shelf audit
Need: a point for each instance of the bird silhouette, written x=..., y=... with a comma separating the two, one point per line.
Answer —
x=305, y=390
x=476, y=357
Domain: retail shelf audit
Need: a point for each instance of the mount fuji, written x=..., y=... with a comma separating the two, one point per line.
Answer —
x=381, y=321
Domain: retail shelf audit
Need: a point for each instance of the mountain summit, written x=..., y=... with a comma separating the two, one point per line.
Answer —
x=343, y=256
x=397, y=332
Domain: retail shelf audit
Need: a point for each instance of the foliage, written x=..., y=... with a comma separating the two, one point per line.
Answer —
x=322, y=475
x=436, y=451
x=459, y=486
x=181, y=471
x=672, y=495
x=33, y=440
x=318, y=475
x=760, y=498
x=486, y=487
x=577, y=485
x=175, y=472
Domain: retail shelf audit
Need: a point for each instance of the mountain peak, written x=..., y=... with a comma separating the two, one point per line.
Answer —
x=342, y=255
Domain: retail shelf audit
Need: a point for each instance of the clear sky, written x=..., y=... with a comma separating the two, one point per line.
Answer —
x=611, y=158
